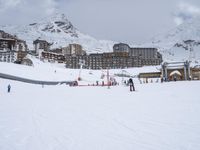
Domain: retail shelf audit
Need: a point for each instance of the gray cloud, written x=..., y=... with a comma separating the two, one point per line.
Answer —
x=25, y=11
x=185, y=11
x=122, y=20
x=8, y=4
x=130, y=21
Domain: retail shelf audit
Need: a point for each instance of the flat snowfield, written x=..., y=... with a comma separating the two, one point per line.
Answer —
x=158, y=116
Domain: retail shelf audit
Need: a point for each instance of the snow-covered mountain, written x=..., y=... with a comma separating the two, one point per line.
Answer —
x=181, y=43
x=59, y=31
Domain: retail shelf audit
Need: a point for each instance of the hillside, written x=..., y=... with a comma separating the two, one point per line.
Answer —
x=181, y=43
x=59, y=31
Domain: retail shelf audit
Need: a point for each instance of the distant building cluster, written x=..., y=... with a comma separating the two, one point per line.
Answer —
x=13, y=49
x=122, y=57
x=9, y=46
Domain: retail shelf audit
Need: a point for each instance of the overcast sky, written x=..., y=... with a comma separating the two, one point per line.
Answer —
x=130, y=21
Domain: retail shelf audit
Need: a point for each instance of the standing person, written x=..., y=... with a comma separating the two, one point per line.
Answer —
x=9, y=88
x=102, y=83
x=175, y=78
x=131, y=84
x=162, y=79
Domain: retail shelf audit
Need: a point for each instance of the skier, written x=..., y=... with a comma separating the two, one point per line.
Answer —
x=102, y=83
x=131, y=84
x=162, y=79
x=9, y=87
x=175, y=78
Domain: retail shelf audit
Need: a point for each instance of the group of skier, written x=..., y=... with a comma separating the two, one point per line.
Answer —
x=130, y=83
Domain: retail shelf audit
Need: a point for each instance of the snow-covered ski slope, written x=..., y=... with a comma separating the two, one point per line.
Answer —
x=58, y=72
x=158, y=116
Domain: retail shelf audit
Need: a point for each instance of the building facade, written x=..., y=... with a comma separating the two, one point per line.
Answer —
x=110, y=60
x=121, y=47
x=122, y=57
x=10, y=46
x=70, y=54
x=52, y=57
x=7, y=56
x=73, y=49
x=41, y=45
x=148, y=56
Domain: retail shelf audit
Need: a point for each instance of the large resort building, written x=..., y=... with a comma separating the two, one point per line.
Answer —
x=122, y=57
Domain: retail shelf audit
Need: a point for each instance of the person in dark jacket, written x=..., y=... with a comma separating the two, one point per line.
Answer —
x=9, y=88
x=131, y=84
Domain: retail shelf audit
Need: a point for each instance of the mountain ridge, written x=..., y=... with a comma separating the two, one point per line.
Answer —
x=59, y=31
x=181, y=43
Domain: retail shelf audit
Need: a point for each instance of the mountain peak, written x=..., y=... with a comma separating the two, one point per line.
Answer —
x=59, y=31
x=188, y=30
x=57, y=17
x=56, y=23
x=181, y=43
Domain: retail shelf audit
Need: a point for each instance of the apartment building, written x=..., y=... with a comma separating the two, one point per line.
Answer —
x=122, y=56
x=10, y=46
x=73, y=49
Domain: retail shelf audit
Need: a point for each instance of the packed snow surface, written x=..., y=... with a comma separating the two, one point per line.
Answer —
x=58, y=72
x=157, y=116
